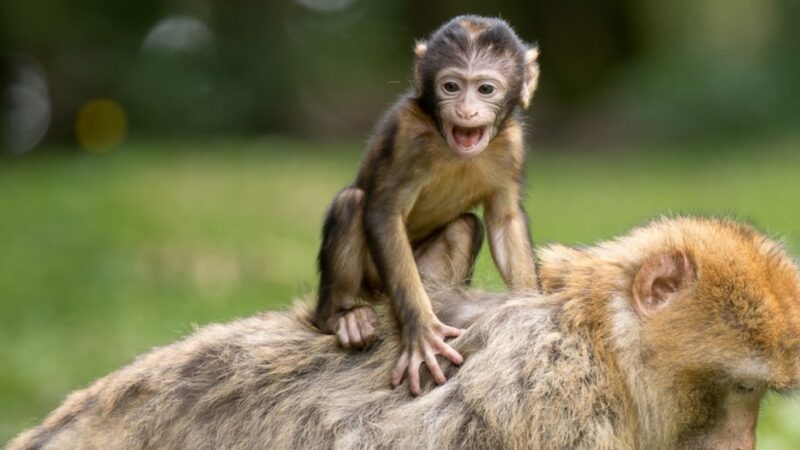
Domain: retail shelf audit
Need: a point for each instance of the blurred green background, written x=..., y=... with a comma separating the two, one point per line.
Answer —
x=166, y=164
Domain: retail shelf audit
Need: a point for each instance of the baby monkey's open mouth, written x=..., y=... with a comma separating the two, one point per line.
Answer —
x=467, y=140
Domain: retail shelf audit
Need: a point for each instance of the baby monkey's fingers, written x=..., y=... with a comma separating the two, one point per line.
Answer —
x=436, y=341
x=415, y=361
x=368, y=320
x=448, y=331
x=400, y=369
x=441, y=347
x=341, y=332
x=433, y=366
x=353, y=331
x=356, y=327
x=408, y=364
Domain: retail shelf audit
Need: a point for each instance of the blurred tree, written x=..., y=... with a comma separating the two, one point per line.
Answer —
x=613, y=69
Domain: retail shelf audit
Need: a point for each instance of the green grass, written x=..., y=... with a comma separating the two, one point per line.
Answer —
x=104, y=256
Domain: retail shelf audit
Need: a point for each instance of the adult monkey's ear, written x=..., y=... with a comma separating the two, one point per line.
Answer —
x=660, y=280
x=530, y=77
x=419, y=51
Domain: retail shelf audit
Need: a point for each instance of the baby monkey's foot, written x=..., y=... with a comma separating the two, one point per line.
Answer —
x=355, y=328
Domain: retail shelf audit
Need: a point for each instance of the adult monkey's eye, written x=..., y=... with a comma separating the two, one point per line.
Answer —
x=486, y=89
x=450, y=87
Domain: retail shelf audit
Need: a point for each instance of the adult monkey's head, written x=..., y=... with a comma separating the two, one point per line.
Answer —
x=470, y=76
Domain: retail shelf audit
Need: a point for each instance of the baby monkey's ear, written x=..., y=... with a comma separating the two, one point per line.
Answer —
x=419, y=51
x=530, y=76
x=420, y=48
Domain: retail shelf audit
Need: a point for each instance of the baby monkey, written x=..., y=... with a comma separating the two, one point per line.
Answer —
x=450, y=144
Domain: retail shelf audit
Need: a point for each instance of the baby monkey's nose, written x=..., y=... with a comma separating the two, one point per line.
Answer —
x=466, y=114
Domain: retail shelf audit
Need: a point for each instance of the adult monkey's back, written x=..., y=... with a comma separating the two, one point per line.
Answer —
x=665, y=338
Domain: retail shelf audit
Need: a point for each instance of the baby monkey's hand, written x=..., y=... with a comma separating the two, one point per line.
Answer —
x=423, y=346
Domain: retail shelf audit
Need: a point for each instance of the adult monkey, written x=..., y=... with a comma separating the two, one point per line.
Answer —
x=449, y=145
x=666, y=338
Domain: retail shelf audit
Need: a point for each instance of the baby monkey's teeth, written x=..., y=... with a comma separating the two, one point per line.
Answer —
x=467, y=137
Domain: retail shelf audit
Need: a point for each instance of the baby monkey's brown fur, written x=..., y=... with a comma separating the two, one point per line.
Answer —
x=451, y=144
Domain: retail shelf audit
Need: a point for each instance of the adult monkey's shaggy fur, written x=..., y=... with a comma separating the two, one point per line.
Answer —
x=665, y=338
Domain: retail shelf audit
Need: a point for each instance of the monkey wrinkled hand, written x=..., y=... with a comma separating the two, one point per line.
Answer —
x=355, y=328
x=423, y=347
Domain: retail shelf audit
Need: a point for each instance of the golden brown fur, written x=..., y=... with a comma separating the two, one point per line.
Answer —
x=575, y=367
x=418, y=176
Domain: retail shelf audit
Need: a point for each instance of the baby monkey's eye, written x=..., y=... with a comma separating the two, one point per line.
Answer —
x=486, y=89
x=450, y=87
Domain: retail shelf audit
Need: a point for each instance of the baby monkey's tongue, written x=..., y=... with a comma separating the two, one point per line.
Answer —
x=467, y=137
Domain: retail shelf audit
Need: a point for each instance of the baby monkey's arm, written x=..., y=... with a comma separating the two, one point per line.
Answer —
x=509, y=239
x=423, y=334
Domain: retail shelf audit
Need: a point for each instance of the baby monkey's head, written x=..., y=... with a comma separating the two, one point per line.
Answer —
x=470, y=75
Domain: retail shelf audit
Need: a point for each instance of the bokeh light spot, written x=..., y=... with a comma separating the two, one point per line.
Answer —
x=326, y=5
x=27, y=117
x=101, y=125
x=178, y=35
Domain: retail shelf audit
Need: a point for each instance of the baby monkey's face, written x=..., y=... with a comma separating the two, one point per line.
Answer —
x=469, y=102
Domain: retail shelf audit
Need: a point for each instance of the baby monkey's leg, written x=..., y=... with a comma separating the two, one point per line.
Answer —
x=341, y=265
x=444, y=259
x=447, y=258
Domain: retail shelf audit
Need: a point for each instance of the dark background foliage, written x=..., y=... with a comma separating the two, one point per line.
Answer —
x=618, y=70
